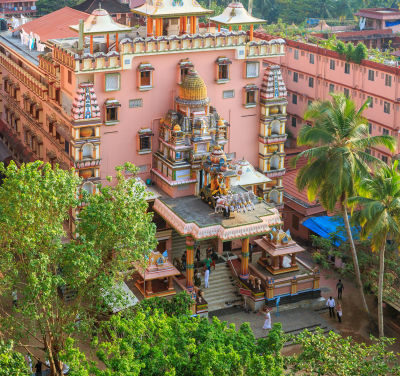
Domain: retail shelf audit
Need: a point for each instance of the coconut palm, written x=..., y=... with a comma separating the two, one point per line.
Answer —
x=337, y=158
x=379, y=216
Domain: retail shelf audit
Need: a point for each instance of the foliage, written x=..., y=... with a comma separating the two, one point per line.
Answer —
x=11, y=361
x=360, y=53
x=334, y=355
x=349, y=51
x=176, y=306
x=158, y=344
x=47, y=6
x=379, y=216
x=341, y=48
x=38, y=263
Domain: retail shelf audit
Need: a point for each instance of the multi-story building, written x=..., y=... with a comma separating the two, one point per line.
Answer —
x=21, y=7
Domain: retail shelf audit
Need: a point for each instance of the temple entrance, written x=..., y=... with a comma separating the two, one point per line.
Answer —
x=227, y=246
x=161, y=246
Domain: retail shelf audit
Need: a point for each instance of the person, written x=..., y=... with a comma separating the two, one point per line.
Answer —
x=208, y=252
x=38, y=368
x=207, y=263
x=339, y=288
x=197, y=279
x=14, y=297
x=28, y=361
x=206, y=277
x=198, y=255
x=339, y=312
x=267, y=322
x=330, y=303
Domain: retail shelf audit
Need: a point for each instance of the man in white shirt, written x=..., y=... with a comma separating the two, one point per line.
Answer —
x=330, y=303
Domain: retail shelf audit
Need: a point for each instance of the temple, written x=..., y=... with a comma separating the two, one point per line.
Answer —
x=202, y=115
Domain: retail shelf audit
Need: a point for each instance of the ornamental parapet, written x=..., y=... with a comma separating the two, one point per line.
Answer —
x=275, y=173
x=24, y=76
x=129, y=48
x=273, y=139
x=87, y=163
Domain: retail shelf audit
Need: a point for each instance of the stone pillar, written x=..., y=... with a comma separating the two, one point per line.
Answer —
x=170, y=283
x=189, y=263
x=275, y=262
x=270, y=288
x=149, y=287
x=244, y=265
x=316, y=280
x=293, y=286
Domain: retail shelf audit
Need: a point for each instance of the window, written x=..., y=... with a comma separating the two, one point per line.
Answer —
x=223, y=69
x=331, y=88
x=295, y=77
x=145, y=76
x=294, y=122
x=144, y=141
x=386, y=107
x=311, y=58
x=384, y=158
x=251, y=97
x=252, y=69
x=371, y=101
x=295, y=222
x=346, y=92
x=228, y=94
x=69, y=77
x=371, y=75
x=294, y=99
x=88, y=187
x=388, y=80
x=134, y=103
x=66, y=146
x=112, y=81
x=311, y=82
x=369, y=128
x=112, y=106
x=385, y=132
x=347, y=68
x=296, y=54
x=332, y=64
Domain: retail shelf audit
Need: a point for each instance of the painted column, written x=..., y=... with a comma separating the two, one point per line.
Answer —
x=149, y=26
x=244, y=266
x=219, y=28
x=184, y=30
x=230, y=28
x=240, y=27
x=189, y=263
x=91, y=44
x=251, y=32
x=108, y=41
x=161, y=26
x=116, y=42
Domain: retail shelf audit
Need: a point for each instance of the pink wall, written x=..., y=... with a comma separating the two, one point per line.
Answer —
x=118, y=142
x=357, y=82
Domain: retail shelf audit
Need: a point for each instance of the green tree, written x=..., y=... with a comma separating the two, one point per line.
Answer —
x=360, y=53
x=334, y=355
x=337, y=158
x=11, y=361
x=341, y=48
x=48, y=6
x=39, y=262
x=349, y=51
x=379, y=216
x=151, y=344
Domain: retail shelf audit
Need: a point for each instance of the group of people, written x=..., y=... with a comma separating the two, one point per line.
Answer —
x=208, y=263
x=331, y=304
x=42, y=369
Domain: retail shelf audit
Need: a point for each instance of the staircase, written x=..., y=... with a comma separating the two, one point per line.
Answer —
x=221, y=290
x=179, y=246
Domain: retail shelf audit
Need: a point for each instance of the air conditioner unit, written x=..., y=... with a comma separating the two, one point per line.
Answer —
x=240, y=52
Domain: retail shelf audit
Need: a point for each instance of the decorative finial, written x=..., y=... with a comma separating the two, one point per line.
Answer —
x=100, y=5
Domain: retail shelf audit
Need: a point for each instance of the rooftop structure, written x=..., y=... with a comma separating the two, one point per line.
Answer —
x=11, y=8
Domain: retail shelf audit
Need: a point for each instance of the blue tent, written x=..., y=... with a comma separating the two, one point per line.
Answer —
x=330, y=227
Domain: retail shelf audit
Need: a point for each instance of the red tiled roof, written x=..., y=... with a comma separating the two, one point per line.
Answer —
x=55, y=25
x=379, y=13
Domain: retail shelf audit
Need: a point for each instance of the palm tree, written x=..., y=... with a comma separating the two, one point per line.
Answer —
x=337, y=158
x=379, y=216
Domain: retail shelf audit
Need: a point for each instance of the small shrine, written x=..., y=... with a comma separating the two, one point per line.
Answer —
x=235, y=14
x=157, y=278
x=278, y=252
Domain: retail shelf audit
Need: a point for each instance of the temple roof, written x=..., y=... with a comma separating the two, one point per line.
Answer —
x=100, y=22
x=111, y=6
x=193, y=90
x=246, y=175
x=236, y=14
x=171, y=8
x=273, y=86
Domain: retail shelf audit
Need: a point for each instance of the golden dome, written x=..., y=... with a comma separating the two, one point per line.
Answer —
x=193, y=89
x=220, y=122
x=177, y=128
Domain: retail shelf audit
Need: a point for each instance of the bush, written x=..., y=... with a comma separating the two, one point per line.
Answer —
x=349, y=51
x=360, y=53
x=176, y=306
x=340, y=48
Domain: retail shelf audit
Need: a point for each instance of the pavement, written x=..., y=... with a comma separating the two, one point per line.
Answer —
x=293, y=321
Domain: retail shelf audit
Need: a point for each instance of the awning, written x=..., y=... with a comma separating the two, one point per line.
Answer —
x=121, y=297
x=330, y=228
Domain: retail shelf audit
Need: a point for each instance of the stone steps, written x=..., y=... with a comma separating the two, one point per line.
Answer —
x=179, y=246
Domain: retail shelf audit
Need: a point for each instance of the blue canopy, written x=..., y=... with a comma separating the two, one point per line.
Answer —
x=330, y=228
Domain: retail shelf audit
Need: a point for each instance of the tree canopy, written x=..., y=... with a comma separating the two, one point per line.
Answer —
x=60, y=278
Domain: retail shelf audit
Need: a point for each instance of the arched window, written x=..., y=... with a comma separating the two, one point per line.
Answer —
x=274, y=197
x=274, y=163
x=275, y=127
x=87, y=151
x=88, y=187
